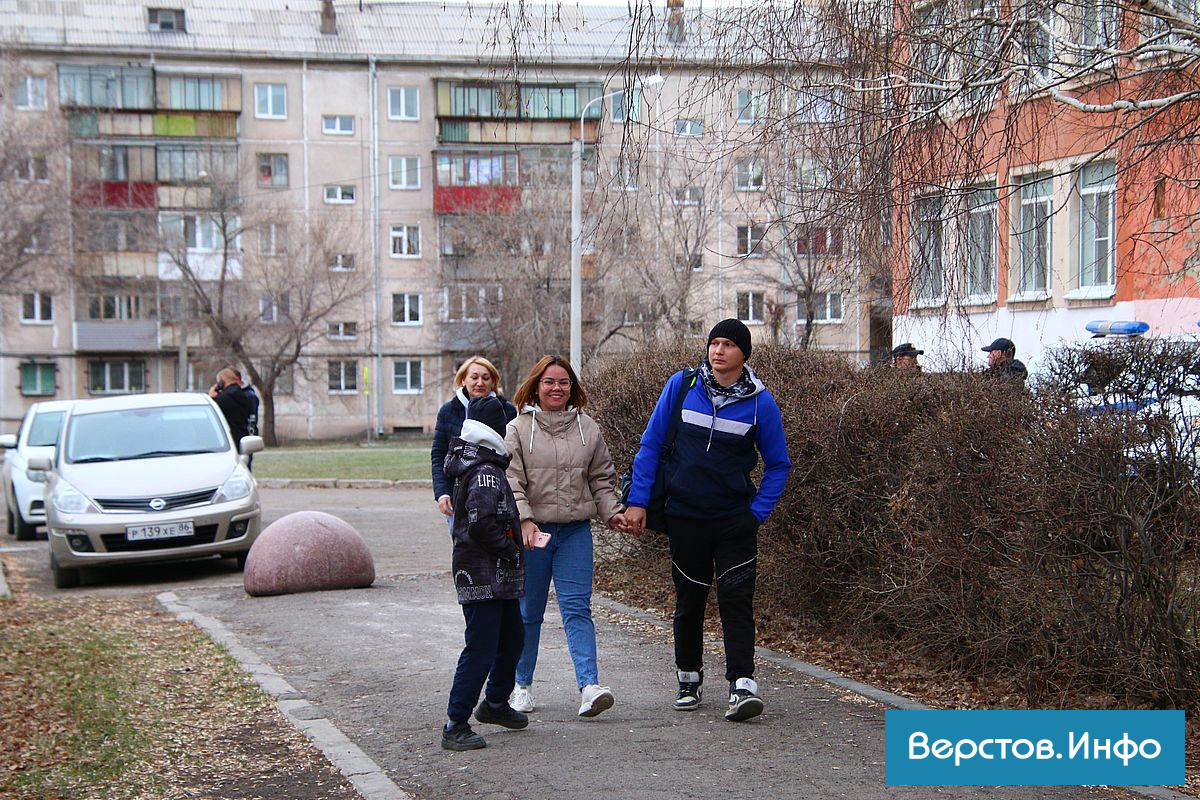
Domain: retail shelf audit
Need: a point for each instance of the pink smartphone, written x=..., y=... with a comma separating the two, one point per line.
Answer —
x=542, y=539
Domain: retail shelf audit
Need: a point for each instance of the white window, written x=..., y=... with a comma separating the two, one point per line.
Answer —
x=404, y=103
x=343, y=377
x=114, y=163
x=343, y=331
x=693, y=262
x=165, y=19
x=1099, y=24
x=37, y=308
x=750, y=175
x=751, y=106
x=981, y=243
x=751, y=306
x=270, y=100
x=1097, y=221
x=750, y=240
x=31, y=93
x=689, y=196
x=406, y=377
x=472, y=302
x=689, y=127
x=198, y=234
x=827, y=307
x=115, y=306
x=272, y=308
x=272, y=239
x=929, y=58
x=406, y=241
x=273, y=170
x=196, y=94
x=1034, y=235
x=340, y=194
x=625, y=174
x=1036, y=45
x=928, y=276
x=812, y=174
x=627, y=105
x=37, y=378
x=342, y=262
x=116, y=377
x=404, y=172
x=337, y=124
x=818, y=105
x=406, y=309
x=33, y=167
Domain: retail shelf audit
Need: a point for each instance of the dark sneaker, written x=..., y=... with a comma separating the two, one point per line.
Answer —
x=502, y=715
x=744, y=701
x=459, y=736
x=690, y=690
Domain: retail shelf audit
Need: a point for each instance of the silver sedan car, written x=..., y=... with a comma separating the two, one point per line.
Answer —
x=148, y=477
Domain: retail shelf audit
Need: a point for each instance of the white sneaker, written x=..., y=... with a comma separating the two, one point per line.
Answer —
x=521, y=699
x=595, y=699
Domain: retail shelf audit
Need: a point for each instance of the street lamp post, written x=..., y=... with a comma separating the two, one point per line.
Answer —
x=577, y=222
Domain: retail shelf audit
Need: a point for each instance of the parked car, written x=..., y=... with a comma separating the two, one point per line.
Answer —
x=36, y=436
x=147, y=477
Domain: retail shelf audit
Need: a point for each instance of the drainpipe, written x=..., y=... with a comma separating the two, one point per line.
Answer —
x=377, y=310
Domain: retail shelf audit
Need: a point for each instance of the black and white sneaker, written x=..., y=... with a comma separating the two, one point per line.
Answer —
x=690, y=690
x=744, y=701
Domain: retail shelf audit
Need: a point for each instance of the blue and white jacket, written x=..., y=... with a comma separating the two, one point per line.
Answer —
x=716, y=448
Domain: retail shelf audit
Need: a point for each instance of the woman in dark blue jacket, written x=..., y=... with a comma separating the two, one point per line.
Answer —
x=477, y=377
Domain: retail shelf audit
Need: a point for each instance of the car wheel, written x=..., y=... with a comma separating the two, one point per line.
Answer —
x=64, y=577
x=24, y=530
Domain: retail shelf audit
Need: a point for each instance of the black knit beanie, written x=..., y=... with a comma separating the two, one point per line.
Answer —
x=490, y=411
x=733, y=330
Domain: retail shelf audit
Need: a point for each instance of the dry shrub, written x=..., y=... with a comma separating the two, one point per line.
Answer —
x=964, y=519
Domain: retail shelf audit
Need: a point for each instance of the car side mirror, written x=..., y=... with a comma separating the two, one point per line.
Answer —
x=37, y=468
x=8, y=441
x=251, y=444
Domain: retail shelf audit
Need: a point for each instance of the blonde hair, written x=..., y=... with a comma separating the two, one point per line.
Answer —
x=527, y=394
x=461, y=375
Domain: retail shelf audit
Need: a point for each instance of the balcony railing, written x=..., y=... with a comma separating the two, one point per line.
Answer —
x=116, y=336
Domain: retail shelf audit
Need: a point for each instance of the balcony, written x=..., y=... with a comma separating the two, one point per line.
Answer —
x=113, y=336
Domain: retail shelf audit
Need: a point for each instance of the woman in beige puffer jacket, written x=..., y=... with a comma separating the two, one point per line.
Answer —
x=561, y=476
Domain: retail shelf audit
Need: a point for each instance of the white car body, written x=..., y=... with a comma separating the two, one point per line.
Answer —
x=36, y=436
x=148, y=477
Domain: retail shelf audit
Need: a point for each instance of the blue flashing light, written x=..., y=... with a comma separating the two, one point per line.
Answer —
x=1102, y=327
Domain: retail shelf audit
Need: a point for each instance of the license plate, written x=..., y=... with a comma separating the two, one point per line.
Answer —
x=170, y=530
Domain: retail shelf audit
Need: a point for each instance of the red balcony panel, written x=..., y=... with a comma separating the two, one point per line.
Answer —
x=476, y=199
x=116, y=194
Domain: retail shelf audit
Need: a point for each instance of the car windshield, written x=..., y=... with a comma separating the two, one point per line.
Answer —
x=43, y=431
x=144, y=433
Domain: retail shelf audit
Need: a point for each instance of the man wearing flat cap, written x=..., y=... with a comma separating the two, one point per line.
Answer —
x=1002, y=361
x=904, y=356
x=709, y=427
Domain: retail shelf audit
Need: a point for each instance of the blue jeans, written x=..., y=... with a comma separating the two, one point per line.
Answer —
x=493, y=643
x=567, y=559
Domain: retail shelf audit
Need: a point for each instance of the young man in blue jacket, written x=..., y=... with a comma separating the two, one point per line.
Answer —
x=713, y=509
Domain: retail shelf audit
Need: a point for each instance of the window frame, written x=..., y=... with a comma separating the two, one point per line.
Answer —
x=154, y=20
x=404, y=185
x=1023, y=232
x=407, y=312
x=1086, y=195
x=982, y=203
x=41, y=369
x=129, y=368
x=823, y=311
x=271, y=161
x=42, y=302
x=402, y=231
x=268, y=93
x=754, y=246
x=344, y=262
x=750, y=295
x=337, y=129
x=25, y=84
x=685, y=127
x=342, y=331
x=340, y=196
x=347, y=367
x=404, y=114
x=408, y=376
x=927, y=277
x=751, y=106
x=744, y=175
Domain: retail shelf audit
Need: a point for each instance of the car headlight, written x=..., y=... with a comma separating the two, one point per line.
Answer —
x=238, y=485
x=69, y=500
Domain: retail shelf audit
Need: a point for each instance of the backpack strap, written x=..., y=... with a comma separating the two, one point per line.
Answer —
x=685, y=385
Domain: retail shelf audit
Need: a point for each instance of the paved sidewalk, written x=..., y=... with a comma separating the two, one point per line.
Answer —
x=376, y=665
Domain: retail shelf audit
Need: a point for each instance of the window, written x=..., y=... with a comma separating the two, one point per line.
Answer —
x=827, y=307
x=196, y=94
x=1034, y=235
x=471, y=302
x=31, y=93
x=342, y=194
x=38, y=238
x=344, y=331
x=198, y=234
x=750, y=240
x=749, y=175
x=625, y=174
x=33, y=167
x=270, y=101
x=343, y=377
x=404, y=103
x=627, y=105
x=929, y=58
x=191, y=164
x=272, y=170
x=818, y=105
x=106, y=87
x=116, y=306
x=981, y=50
x=272, y=308
x=406, y=241
x=981, y=243
x=751, y=306
x=1035, y=51
x=116, y=377
x=751, y=106
x=1097, y=214
x=812, y=174
x=478, y=169
x=689, y=196
x=928, y=277
x=272, y=239
x=37, y=379
x=165, y=19
x=406, y=377
x=693, y=262
x=404, y=172
x=406, y=309
x=114, y=163
x=818, y=240
x=37, y=308
x=342, y=262
x=337, y=125
x=689, y=127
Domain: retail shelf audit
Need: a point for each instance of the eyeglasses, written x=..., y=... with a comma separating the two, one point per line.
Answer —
x=550, y=383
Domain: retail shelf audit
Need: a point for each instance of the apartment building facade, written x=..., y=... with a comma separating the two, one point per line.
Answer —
x=269, y=149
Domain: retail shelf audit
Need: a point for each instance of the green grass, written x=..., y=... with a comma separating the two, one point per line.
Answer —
x=386, y=461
